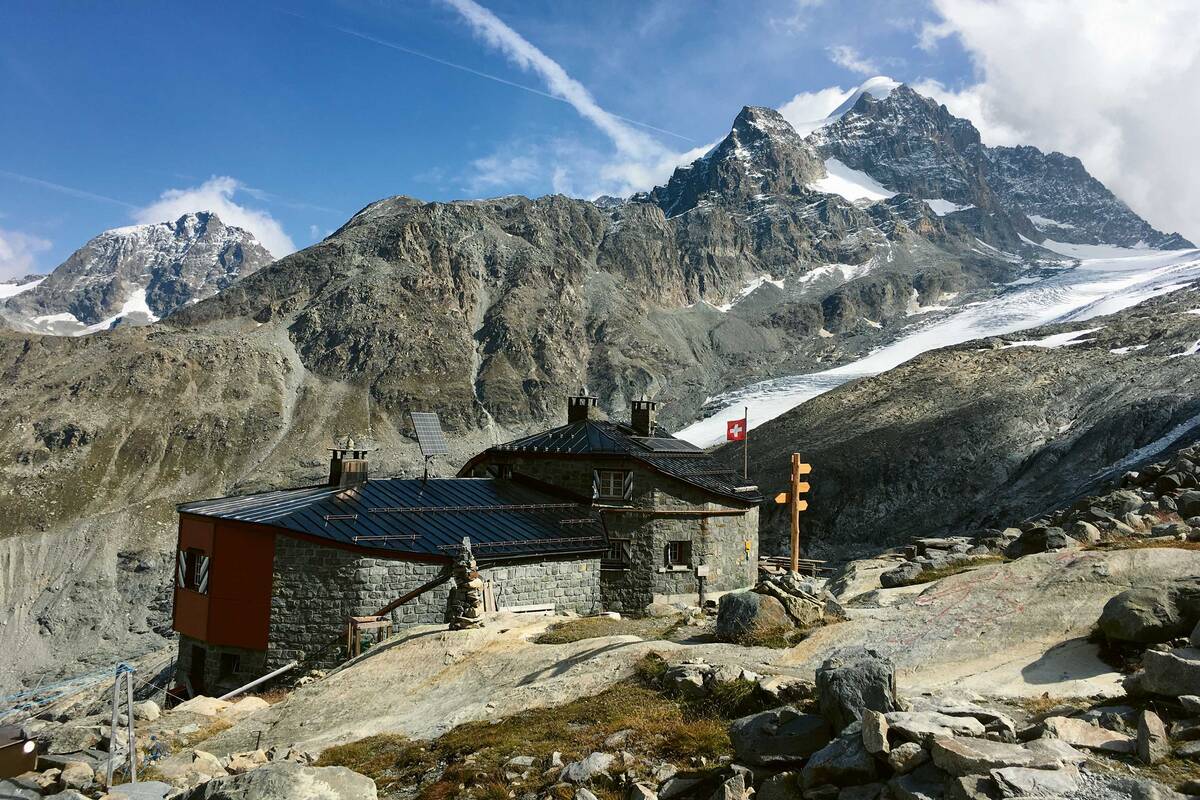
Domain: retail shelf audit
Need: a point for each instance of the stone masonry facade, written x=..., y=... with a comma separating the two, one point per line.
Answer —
x=317, y=588
x=724, y=538
x=246, y=664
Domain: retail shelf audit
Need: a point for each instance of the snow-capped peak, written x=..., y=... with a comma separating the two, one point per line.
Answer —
x=879, y=87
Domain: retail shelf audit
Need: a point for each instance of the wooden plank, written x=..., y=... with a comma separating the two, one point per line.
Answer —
x=420, y=590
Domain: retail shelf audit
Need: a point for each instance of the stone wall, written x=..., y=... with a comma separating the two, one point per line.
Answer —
x=251, y=664
x=718, y=541
x=317, y=588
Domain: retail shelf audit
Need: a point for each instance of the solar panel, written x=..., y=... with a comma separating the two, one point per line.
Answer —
x=662, y=444
x=429, y=433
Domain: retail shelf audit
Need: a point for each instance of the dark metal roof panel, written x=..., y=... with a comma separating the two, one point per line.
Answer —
x=662, y=451
x=415, y=517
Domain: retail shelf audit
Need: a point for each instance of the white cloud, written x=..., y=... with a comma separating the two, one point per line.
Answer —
x=18, y=253
x=807, y=110
x=847, y=57
x=216, y=195
x=1106, y=80
x=501, y=171
x=640, y=160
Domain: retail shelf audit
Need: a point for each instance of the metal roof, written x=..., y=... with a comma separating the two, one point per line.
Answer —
x=661, y=452
x=503, y=518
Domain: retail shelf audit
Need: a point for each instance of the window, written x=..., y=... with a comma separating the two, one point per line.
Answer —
x=678, y=554
x=191, y=570
x=612, y=484
x=619, y=555
x=231, y=664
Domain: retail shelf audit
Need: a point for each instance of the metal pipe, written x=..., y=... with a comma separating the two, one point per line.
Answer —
x=257, y=681
x=112, y=729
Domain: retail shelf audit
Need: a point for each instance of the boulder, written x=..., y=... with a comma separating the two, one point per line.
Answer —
x=247, y=705
x=875, y=733
x=284, y=780
x=734, y=788
x=147, y=710
x=780, y=786
x=926, y=782
x=202, y=705
x=868, y=791
x=1172, y=672
x=66, y=794
x=1039, y=539
x=1152, y=744
x=780, y=736
x=688, y=679
x=1143, y=615
x=588, y=769
x=77, y=775
x=1027, y=782
x=640, y=791
x=1188, y=504
x=842, y=762
x=906, y=573
x=1194, y=638
x=906, y=757
x=742, y=614
x=923, y=726
x=853, y=680
x=784, y=689
x=72, y=739
x=959, y=756
x=1083, y=734
x=1084, y=532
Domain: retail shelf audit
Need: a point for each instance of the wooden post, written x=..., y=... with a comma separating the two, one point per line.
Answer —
x=132, y=739
x=112, y=728
x=794, y=508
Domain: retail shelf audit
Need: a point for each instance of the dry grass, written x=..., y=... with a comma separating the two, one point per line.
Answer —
x=779, y=637
x=1140, y=544
x=575, y=630
x=469, y=761
x=930, y=575
x=273, y=696
x=206, y=731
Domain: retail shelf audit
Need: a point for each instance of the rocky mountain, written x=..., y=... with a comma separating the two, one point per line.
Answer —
x=762, y=260
x=987, y=433
x=912, y=144
x=136, y=275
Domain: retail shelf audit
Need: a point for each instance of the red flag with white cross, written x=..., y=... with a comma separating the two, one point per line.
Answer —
x=735, y=430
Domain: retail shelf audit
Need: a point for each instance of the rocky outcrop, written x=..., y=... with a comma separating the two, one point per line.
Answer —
x=982, y=435
x=136, y=275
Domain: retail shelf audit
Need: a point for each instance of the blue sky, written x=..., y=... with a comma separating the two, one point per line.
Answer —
x=314, y=109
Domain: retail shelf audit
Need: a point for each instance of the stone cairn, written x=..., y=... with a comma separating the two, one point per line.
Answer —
x=469, y=590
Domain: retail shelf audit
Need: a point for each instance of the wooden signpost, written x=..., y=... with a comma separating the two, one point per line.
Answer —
x=795, y=505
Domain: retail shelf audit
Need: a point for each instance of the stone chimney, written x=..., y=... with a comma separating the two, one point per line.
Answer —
x=347, y=462
x=643, y=416
x=582, y=407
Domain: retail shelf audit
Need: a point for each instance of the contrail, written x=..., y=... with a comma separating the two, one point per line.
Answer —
x=477, y=73
x=58, y=187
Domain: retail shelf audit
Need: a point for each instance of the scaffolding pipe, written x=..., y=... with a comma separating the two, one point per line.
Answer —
x=257, y=681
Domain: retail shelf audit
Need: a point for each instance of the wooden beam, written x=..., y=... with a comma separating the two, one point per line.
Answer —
x=415, y=593
x=674, y=512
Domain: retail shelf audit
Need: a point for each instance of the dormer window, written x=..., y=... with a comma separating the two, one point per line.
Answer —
x=612, y=484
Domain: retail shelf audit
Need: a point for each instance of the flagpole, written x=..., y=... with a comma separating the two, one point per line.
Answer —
x=746, y=446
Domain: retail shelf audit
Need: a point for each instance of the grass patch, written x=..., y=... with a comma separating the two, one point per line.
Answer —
x=470, y=760
x=779, y=637
x=574, y=630
x=392, y=761
x=930, y=575
x=206, y=731
x=1144, y=544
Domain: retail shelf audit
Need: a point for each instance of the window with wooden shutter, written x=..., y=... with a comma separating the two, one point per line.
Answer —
x=612, y=484
x=678, y=554
x=191, y=570
x=619, y=555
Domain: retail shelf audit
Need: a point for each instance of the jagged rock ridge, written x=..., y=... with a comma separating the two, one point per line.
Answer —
x=137, y=275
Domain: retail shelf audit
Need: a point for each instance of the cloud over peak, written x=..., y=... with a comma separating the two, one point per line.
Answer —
x=216, y=195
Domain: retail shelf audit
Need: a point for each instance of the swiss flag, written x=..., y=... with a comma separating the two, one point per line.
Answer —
x=735, y=430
